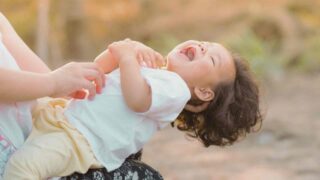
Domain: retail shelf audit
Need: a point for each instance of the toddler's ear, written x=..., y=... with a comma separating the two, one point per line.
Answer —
x=204, y=94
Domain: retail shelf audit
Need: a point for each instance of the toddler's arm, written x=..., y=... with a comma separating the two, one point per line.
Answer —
x=106, y=62
x=136, y=91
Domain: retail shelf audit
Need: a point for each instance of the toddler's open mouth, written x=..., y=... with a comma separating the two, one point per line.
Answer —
x=189, y=52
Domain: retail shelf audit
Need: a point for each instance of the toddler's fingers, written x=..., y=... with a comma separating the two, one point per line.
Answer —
x=152, y=60
x=139, y=56
x=154, y=64
x=149, y=64
x=144, y=64
x=160, y=59
x=140, y=60
x=145, y=60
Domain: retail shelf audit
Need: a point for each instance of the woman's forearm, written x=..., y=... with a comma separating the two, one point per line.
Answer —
x=24, y=56
x=22, y=85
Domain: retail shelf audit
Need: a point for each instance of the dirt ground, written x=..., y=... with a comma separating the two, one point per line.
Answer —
x=287, y=146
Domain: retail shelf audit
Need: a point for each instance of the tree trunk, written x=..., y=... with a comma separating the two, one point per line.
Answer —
x=43, y=29
x=77, y=43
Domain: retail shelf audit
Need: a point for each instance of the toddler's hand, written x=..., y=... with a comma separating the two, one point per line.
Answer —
x=128, y=49
x=73, y=78
x=147, y=56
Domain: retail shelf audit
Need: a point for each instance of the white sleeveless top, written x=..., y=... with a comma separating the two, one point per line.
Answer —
x=15, y=118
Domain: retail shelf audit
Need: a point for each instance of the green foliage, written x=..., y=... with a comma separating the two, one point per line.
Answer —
x=22, y=15
x=259, y=54
x=163, y=24
x=310, y=59
x=163, y=42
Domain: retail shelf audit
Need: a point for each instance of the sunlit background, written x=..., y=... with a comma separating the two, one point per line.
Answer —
x=280, y=39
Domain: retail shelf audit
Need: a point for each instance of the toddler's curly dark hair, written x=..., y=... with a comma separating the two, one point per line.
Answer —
x=232, y=113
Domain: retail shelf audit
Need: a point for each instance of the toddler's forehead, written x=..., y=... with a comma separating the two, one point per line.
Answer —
x=224, y=55
x=217, y=45
x=218, y=49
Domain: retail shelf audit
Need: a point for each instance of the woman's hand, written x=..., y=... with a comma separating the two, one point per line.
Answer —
x=128, y=49
x=74, y=78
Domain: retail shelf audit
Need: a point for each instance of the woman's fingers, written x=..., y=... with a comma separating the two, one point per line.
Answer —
x=95, y=76
x=100, y=77
x=93, y=82
x=80, y=94
x=72, y=78
x=90, y=87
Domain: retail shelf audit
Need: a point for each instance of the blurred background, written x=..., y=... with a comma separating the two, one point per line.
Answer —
x=279, y=38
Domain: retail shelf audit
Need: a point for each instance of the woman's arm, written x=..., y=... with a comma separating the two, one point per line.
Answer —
x=70, y=78
x=23, y=85
x=24, y=56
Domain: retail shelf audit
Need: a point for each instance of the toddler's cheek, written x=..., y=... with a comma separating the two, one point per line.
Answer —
x=204, y=68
